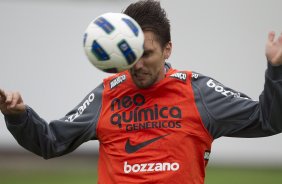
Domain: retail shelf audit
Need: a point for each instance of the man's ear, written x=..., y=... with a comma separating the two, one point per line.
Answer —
x=167, y=50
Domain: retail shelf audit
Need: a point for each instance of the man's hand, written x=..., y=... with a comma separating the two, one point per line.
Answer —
x=273, y=49
x=11, y=103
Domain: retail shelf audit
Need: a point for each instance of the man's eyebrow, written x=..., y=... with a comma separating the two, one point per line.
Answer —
x=148, y=50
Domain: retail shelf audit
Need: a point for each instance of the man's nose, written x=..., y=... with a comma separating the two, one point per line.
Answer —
x=139, y=64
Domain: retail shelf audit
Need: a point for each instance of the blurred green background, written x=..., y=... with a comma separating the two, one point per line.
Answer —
x=26, y=168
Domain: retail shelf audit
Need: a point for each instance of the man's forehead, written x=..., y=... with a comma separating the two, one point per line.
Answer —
x=150, y=41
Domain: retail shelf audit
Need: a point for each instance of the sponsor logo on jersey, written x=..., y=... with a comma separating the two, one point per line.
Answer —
x=117, y=81
x=207, y=155
x=81, y=108
x=150, y=167
x=220, y=89
x=195, y=76
x=129, y=148
x=180, y=75
x=129, y=111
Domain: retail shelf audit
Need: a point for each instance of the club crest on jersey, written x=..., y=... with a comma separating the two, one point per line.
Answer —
x=180, y=75
x=195, y=76
x=117, y=81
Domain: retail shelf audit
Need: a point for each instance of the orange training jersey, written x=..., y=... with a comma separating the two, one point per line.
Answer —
x=158, y=135
x=152, y=135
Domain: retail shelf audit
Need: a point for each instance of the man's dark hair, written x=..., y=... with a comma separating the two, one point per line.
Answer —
x=151, y=17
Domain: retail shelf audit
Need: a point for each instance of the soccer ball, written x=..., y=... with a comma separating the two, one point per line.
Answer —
x=113, y=42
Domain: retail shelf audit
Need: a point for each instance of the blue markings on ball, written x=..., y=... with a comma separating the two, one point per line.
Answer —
x=127, y=52
x=84, y=39
x=104, y=24
x=99, y=52
x=132, y=26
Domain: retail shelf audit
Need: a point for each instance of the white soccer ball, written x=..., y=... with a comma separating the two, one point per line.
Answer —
x=113, y=42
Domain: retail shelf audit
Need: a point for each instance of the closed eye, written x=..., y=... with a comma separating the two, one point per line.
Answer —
x=146, y=54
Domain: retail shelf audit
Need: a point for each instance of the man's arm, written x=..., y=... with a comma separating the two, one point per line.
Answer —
x=58, y=137
x=226, y=112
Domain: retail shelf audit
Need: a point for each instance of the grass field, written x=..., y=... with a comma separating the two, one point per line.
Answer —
x=215, y=175
x=81, y=169
x=243, y=175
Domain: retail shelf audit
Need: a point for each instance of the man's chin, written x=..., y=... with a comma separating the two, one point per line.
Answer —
x=140, y=84
x=142, y=81
x=143, y=84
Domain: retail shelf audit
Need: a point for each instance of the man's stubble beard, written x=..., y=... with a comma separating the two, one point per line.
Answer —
x=153, y=80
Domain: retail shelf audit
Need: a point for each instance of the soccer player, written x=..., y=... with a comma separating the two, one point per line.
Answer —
x=155, y=124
